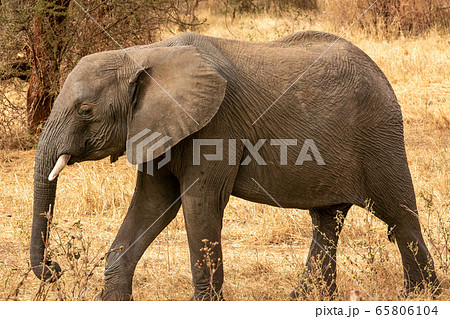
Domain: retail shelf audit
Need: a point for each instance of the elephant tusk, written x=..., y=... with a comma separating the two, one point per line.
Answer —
x=59, y=166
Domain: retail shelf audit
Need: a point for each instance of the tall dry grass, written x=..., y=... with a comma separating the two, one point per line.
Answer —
x=391, y=17
x=264, y=249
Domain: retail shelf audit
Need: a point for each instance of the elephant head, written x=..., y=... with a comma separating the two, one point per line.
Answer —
x=109, y=98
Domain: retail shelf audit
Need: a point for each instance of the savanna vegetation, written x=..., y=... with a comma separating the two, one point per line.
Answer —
x=264, y=247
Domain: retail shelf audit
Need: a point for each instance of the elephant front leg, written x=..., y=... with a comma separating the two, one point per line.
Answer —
x=154, y=205
x=203, y=207
x=204, y=225
x=206, y=189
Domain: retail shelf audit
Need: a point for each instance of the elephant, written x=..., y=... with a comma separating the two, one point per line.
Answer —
x=213, y=105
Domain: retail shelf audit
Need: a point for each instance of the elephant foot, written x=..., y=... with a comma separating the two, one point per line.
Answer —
x=207, y=295
x=294, y=295
x=432, y=289
x=301, y=292
x=113, y=295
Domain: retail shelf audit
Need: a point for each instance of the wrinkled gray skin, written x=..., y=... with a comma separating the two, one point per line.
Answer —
x=343, y=102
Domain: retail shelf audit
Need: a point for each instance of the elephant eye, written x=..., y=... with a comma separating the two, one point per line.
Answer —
x=85, y=110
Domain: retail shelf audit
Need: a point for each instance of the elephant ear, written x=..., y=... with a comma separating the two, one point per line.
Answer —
x=174, y=92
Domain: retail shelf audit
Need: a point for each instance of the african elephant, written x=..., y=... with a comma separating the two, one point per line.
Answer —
x=194, y=93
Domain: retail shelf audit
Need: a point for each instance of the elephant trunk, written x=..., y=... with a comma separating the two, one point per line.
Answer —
x=43, y=203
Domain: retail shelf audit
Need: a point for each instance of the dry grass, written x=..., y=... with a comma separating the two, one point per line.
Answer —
x=264, y=249
x=391, y=17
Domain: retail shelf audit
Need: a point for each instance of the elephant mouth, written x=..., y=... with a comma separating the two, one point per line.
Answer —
x=95, y=156
x=72, y=161
x=79, y=159
x=66, y=159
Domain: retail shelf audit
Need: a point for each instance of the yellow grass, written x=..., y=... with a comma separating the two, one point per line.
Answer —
x=264, y=249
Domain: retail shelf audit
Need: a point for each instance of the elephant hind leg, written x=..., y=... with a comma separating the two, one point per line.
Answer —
x=391, y=198
x=404, y=229
x=321, y=262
